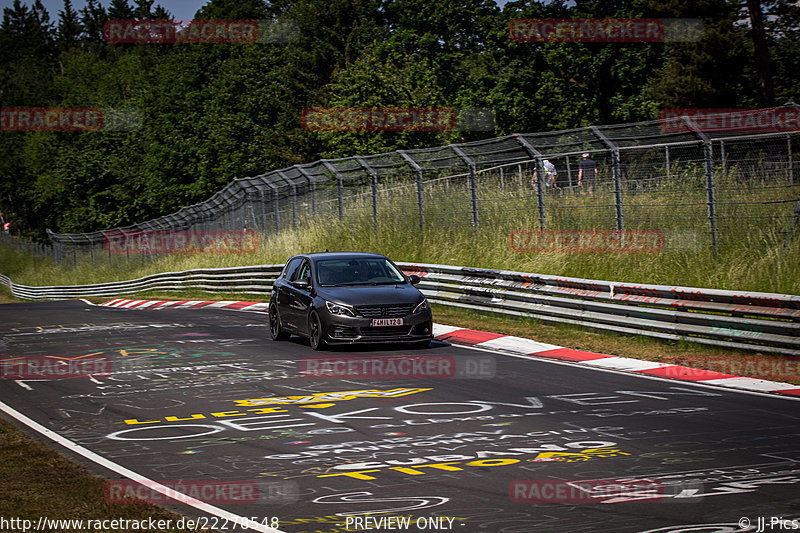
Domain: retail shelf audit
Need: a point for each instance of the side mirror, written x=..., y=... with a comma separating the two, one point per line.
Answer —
x=301, y=284
x=414, y=279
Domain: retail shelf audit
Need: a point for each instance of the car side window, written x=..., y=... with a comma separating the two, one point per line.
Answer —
x=291, y=268
x=303, y=273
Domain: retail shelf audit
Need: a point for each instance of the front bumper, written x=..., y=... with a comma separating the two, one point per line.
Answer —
x=339, y=329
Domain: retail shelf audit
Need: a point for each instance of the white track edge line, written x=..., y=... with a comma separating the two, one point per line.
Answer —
x=130, y=474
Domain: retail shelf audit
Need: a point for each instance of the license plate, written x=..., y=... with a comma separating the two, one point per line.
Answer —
x=386, y=322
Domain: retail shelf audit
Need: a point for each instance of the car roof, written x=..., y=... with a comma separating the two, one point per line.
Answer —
x=342, y=255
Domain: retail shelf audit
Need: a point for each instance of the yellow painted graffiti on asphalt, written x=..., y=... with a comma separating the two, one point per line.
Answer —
x=319, y=397
x=415, y=470
x=319, y=400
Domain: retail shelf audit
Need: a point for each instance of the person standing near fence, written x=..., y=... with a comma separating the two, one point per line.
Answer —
x=7, y=228
x=550, y=174
x=587, y=172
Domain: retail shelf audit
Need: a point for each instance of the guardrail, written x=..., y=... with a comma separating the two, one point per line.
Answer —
x=765, y=322
x=251, y=279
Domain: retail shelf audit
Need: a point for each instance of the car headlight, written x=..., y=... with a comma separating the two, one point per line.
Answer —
x=423, y=305
x=339, y=309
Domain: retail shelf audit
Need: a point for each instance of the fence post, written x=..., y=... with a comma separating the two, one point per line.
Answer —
x=373, y=180
x=537, y=155
x=711, y=201
x=74, y=252
x=723, y=157
x=666, y=150
x=275, y=214
x=293, y=188
x=473, y=183
x=339, y=186
x=569, y=172
x=420, y=195
x=790, y=233
x=791, y=162
x=263, y=224
x=615, y=175
x=311, y=185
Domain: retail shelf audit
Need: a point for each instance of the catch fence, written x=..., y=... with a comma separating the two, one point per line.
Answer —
x=702, y=190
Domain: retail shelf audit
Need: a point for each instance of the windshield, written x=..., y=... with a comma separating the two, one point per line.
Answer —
x=372, y=271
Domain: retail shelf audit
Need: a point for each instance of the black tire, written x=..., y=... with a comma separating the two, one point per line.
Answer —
x=315, y=332
x=275, y=331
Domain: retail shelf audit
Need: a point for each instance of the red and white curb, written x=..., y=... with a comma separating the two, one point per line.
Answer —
x=525, y=347
x=197, y=304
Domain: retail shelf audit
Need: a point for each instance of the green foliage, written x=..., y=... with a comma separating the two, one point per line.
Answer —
x=212, y=112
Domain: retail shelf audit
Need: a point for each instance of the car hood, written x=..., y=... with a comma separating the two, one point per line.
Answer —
x=371, y=294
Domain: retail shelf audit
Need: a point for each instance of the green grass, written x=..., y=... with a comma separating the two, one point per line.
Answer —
x=38, y=482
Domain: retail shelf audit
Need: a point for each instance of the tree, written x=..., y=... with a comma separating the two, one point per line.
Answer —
x=759, y=36
x=93, y=18
x=234, y=9
x=69, y=27
x=708, y=73
x=120, y=10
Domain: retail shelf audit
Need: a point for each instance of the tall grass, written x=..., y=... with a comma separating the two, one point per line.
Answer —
x=749, y=256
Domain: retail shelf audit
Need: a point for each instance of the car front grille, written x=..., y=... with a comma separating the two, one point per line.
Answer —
x=384, y=311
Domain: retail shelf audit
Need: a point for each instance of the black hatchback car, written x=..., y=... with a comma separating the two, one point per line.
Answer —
x=345, y=298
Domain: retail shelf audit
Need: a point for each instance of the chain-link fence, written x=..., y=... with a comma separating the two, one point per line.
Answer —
x=699, y=189
x=33, y=249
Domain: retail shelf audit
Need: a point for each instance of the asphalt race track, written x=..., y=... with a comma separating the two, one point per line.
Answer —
x=443, y=439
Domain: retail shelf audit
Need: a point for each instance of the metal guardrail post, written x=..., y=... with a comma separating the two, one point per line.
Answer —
x=373, y=181
x=615, y=174
x=473, y=183
x=420, y=195
x=294, y=197
x=312, y=187
x=339, y=186
x=711, y=201
x=537, y=155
